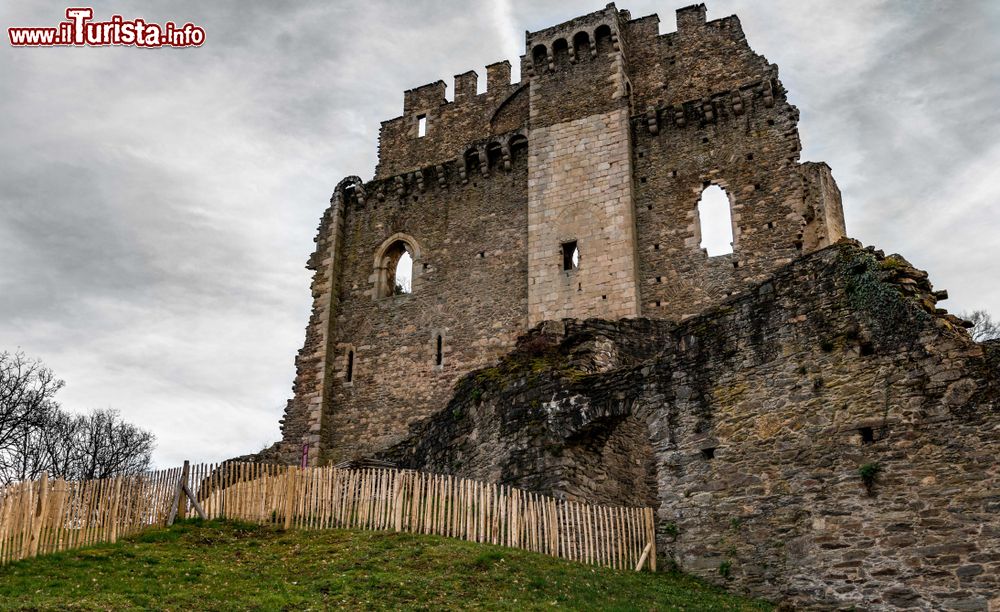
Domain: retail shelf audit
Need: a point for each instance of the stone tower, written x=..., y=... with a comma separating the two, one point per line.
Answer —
x=571, y=193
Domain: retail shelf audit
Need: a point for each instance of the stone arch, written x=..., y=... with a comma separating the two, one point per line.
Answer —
x=518, y=147
x=511, y=113
x=472, y=161
x=602, y=39
x=386, y=258
x=612, y=461
x=540, y=58
x=348, y=188
x=581, y=45
x=560, y=52
x=494, y=154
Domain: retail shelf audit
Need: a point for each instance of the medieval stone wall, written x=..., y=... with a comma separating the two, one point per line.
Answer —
x=583, y=199
x=606, y=143
x=469, y=288
x=761, y=417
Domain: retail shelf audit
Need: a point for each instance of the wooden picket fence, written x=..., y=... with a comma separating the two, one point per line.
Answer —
x=51, y=515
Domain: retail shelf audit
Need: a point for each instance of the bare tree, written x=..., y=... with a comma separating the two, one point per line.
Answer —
x=983, y=327
x=27, y=389
x=58, y=443
x=37, y=436
x=108, y=446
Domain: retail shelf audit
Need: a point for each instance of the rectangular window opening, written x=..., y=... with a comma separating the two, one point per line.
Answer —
x=570, y=255
x=350, y=366
x=421, y=126
x=439, y=356
x=867, y=435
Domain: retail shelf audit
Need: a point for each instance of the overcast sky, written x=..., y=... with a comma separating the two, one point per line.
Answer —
x=158, y=206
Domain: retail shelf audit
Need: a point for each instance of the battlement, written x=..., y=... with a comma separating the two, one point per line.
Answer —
x=691, y=17
x=424, y=97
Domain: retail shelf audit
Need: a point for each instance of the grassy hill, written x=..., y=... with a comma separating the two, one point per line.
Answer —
x=223, y=565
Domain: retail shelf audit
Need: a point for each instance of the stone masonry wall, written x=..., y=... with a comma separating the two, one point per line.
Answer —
x=761, y=416
x=580, y=189
x=469, y=286
x=608, y=140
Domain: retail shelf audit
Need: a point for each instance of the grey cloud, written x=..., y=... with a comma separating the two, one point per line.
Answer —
x=158, y=206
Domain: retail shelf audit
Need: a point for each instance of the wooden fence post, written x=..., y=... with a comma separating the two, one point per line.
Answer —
x=115, y=505
x=182, y=501
x=289, y=496
x=39, y=514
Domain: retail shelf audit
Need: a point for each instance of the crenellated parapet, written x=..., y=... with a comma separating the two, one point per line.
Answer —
x=432, y=128
x=474, y=161
x=573, y=41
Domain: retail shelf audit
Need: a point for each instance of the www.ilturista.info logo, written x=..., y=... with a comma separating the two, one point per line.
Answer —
x=80, y=31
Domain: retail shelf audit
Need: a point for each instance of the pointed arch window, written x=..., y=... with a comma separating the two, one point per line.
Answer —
x=394, y=266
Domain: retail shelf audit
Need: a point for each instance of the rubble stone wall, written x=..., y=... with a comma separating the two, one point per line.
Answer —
x=828, y=439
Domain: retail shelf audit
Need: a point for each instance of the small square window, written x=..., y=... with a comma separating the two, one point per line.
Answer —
x=421, y=126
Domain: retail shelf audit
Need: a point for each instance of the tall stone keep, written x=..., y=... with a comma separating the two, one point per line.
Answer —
x=580, y=200
x=572, y=193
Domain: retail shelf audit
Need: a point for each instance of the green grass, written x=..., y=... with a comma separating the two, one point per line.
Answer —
x=224, y=565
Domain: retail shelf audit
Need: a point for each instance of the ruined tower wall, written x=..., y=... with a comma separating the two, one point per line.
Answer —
x=583, y=198
x=607, y=141
x=580, y=176
x=468, y=287
x=710, y=111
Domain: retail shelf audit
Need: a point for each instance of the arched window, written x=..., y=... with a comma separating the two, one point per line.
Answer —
x=540, y=58
x=716, y=221
x=560, y=52
x=602, y=38
x=403, y=278
x=394, y=269
x=518, y=148
x=581, y=44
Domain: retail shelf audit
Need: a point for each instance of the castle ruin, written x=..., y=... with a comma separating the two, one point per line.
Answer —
x=605, y=147
x=564, y=330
